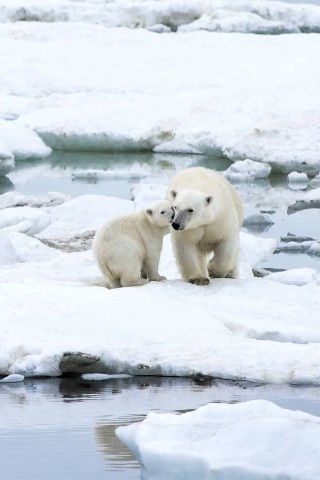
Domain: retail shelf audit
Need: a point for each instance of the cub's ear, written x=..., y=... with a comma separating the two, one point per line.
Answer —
x=173, y=193
x=208, y=200
x=149, y=212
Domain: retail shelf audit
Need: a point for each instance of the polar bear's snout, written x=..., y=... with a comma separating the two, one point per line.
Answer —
x=179, y=221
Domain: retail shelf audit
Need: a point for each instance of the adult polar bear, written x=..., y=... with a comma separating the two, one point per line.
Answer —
x=208, y=218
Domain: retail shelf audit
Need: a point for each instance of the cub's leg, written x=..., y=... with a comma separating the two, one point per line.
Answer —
x=225, y=260
x=150, y=267
x=130, y=275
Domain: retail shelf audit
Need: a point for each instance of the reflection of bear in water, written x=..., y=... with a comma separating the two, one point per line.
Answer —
x=208, y=217
x=127, y=249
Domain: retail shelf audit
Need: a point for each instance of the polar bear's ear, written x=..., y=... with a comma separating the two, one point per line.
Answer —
x=209, y=200
x=149, y=212
x=173, y=193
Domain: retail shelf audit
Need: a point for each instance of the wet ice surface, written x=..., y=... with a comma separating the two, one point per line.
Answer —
x=80, y=173
x=64, y=427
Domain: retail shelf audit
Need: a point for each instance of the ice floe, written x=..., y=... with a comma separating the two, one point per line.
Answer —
x=162, y=16
x=98, y=88
x=244, y=440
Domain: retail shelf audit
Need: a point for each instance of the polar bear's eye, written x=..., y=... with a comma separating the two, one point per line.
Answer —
x=162, y=213
x=190, y=210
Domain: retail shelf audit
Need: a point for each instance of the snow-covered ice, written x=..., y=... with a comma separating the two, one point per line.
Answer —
x=251, y=440
x=18, y=143
x=12, y=378
x=163, y=16
x=110, y=76
x=77, y=82
x=163, y=328
x=246, y=170
x=103, y=376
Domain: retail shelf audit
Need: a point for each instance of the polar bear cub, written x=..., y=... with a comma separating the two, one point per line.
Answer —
x=208, y=217
x=127, y=249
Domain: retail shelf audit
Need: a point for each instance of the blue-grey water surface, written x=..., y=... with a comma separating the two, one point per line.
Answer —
x=64, y=428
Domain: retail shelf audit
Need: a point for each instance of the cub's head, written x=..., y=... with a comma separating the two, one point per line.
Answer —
x=160, y=213
x=191, y=209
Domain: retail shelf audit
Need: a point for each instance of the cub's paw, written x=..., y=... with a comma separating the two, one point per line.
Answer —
x=199, y=281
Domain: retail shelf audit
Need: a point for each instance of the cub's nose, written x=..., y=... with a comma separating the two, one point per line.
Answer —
x=175, y=225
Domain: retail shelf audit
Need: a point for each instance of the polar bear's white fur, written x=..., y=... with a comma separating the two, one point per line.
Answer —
x=208, y=217
x=127, y=249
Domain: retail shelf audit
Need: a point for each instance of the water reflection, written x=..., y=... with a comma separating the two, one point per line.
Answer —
x=5, y=185
x=65, y=427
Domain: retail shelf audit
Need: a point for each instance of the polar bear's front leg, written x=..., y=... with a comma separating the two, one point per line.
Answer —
x=191, y=263
x=225, y=260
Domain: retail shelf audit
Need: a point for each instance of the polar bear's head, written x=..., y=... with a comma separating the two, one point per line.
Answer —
x=191, y=209
x=160, y=213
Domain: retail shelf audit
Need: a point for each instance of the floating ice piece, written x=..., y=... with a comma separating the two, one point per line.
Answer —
x=230, y=441
x=296, y=276
x=315, y=182
x=295, y=247
x=15, y=377
x=310, y=200
x=257, y=223
x=103, y=376
x=242, y=171
x=314, y=249
x=102, y=174
x=296, y=177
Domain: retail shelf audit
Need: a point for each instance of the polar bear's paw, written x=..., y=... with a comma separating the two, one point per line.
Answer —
x=199, y=281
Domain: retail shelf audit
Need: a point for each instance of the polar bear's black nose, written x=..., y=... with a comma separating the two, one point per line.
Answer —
x=175, y=225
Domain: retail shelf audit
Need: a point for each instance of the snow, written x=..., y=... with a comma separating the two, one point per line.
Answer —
x=299, y=276
x=250, y=440
x=167, y=76
x=7, y=251
x=80, y=84
x=110, y=77
x=52, y=292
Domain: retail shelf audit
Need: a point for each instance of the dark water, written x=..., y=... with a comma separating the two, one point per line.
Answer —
x=63, y=428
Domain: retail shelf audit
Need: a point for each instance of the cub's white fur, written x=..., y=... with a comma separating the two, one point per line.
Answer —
x=127, y=249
